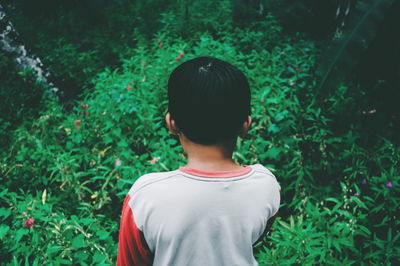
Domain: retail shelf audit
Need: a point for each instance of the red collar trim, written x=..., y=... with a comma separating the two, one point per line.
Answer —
x=216, y=174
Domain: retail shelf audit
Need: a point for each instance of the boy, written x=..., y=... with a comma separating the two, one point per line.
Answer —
x=212, y=211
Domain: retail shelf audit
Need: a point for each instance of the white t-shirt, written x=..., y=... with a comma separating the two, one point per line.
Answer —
x=193, y=217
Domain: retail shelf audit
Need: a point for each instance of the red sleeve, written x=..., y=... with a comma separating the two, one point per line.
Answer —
x=132, y=247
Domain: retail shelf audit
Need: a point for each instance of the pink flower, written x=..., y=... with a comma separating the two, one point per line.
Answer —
x=129, y=88
x=118, y=162
x=78, y=127
x=154, y=160
x=28, y=223
x=297, y=69
x=182, y=55
x=356, y=194
x=291, y=83
x=77, y=122
x=389, y=185
x=178, y=58
x=364, y=181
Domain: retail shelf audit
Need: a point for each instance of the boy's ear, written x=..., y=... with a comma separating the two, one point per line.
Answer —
x=246, y=125
x=171, y=124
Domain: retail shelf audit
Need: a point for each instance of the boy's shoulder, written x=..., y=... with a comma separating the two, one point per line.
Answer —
x=155, y=177
x=151, y=178
x=261, y=168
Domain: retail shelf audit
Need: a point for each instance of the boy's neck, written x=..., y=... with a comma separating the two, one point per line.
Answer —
x=208, y=157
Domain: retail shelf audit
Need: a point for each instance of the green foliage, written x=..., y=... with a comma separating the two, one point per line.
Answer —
x=56, y=237
x=70, y=168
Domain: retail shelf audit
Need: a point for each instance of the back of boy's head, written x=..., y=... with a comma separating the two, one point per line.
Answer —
x=209, y=99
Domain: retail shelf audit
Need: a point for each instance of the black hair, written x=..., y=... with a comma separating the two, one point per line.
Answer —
x=209, y=99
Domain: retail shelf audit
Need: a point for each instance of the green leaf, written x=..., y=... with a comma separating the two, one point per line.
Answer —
x=273, y=128
x=3, y=230
x=86, y=221
x=20, y=233
x=273, y=152
x=99, y=257
x=280, y=116
x=81, y=256
x=102, y=234
x=53, y=249
x=5, y=212
x=62, y=262
x=78, y=242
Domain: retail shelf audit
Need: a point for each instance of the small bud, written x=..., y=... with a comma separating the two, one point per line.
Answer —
x=154, y=160
x=28, y=223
